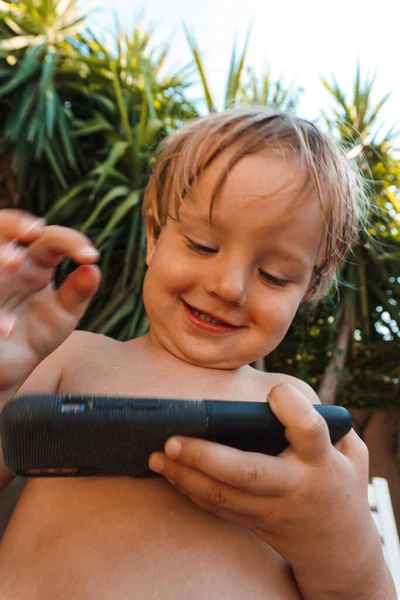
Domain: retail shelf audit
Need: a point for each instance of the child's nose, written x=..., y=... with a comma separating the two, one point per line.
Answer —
x=228, y=283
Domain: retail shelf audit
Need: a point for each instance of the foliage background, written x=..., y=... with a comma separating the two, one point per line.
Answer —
x=79, y=128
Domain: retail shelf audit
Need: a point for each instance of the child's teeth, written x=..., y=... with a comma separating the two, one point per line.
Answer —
x=204, y=317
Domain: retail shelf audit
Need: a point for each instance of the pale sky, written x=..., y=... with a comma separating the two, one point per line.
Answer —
x=302, y=40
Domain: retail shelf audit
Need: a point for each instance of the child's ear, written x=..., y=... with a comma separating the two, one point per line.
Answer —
x=318, y=271
x=308, y=294
x=151, y=241
x=311, y=288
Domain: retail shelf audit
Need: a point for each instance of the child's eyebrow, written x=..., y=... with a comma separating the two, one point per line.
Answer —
x=294, y=257
x=200, y=218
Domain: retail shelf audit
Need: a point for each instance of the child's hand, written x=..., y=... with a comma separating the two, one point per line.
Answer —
x=34, y=318
x=310, y=503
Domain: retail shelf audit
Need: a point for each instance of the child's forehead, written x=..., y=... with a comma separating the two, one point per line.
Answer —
x=272, y=174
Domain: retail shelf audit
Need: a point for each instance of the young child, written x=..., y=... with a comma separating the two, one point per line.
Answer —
x=248, y=214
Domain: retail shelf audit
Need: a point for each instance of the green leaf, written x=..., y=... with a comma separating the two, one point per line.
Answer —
x=74, y=192
x=33, y=126
x=229, y=85
x=116, y=192
x=132, y=200
x=30, y=64
x=103, y=103
x=16, y=122
x=109, y=309
x=48, y=67
x=378, y=109
x=65, y=134
x=16, y=43
x=121, y=105
x=149, y=132
x=138, y=313
x=54, y=164
x=132, y=238
x=41, y=130
x=92, y=127
x=200, y=68
x=117, y=151
x=113, y=173
x=50, y=112
x=265, y=89
x=15, y=28
x=126, y=308
x=235, y=73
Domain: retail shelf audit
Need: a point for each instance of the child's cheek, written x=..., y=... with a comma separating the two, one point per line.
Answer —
x=173, y=270
x=275, y=315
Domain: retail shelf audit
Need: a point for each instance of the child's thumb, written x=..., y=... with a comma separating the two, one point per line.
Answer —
x=305, y=429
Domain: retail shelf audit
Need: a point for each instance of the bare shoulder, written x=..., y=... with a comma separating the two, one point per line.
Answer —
x=274, y=379
x=78, y=348
x=84, y=348
x=79, y=341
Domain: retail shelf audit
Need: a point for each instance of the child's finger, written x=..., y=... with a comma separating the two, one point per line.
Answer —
x=11, y=256
x=205, y=491
x=305, y=429
x=18, y=224
x=250, y=472
x=352, y=446
x=58, y=242
x=78, y=288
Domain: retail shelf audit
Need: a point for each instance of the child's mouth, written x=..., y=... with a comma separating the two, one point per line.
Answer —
x=207, y=322
x=205, y=317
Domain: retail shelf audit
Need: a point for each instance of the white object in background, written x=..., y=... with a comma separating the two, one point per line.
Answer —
x=382, y=512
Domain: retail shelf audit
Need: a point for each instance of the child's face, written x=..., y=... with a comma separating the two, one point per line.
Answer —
x=251, y=268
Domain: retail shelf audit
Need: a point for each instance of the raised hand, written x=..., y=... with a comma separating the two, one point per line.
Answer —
x=35, y=318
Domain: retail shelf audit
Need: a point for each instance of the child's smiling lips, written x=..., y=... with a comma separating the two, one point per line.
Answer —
x=213, y=316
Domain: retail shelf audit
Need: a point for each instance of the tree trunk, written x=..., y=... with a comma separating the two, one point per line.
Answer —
x=333, y=372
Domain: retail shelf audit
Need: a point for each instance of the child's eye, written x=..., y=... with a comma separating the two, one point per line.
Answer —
x=272, y=279
x=206, y=250
x=199, y=248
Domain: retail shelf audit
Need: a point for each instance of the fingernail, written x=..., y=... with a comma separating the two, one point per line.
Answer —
x=28, y=225
x=89, y=252
x=6, y=327
x=173, y=448
x=156, y=463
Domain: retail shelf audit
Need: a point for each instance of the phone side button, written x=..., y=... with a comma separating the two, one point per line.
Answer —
x=111, y=403
x=150, y=404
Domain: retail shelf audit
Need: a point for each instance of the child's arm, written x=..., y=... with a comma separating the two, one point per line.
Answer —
x=35, y=319
x=45, y=379
x=310, y=503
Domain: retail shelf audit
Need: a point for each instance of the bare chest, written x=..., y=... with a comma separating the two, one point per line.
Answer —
x=124, y=538
x=117, y=373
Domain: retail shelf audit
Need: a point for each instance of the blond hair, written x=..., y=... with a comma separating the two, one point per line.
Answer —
x=184, y=155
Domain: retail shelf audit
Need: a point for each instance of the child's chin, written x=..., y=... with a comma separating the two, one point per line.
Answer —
x=211, y=360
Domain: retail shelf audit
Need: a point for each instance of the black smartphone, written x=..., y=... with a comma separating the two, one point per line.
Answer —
x=73, y=435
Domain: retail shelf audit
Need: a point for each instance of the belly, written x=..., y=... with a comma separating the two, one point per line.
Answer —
x=121, y=538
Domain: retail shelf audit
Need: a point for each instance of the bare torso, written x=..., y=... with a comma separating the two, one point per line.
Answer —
x=125, y=538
